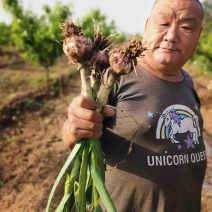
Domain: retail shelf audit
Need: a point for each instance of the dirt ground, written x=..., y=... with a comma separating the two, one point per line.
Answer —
x=32, y=152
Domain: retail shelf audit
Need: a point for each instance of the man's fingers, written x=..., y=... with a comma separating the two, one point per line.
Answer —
x=71, y=134
x=108, y=111
x=84, y=108
x=77, y=124
x=81, y=133
x=85, y=102
x=85, y=114
x=87, y=130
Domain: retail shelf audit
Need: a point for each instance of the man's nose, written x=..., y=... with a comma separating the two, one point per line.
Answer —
x=171, y=34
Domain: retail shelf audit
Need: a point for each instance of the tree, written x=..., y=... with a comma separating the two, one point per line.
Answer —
x=13, y=7
x=36, y=37
x=207, y=22
x=5, y=36
x=202, y=59
x=94, y=19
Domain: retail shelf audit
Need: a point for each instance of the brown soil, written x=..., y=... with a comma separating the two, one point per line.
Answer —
x=32, y=152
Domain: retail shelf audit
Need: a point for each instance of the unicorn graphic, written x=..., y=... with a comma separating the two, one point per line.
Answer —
x=178, y=125
x=178, y=121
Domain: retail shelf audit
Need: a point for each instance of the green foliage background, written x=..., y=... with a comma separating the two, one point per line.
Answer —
x=202, y=59
x=35, y=37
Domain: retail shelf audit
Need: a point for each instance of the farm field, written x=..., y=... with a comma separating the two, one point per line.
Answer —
x=31, y=148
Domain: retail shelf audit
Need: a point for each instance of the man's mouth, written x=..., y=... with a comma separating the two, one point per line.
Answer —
x=169, y=50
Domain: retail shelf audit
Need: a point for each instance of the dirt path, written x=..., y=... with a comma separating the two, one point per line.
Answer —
x=32, y=153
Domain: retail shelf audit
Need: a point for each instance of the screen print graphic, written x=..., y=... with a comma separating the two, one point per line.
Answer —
x=178, y=119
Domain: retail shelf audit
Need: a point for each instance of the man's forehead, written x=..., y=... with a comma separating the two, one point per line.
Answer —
x=156, y=1
x=156, y=7
x=183, y=18
x=197, y=2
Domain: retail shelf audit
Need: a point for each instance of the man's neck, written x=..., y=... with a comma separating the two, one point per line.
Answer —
x=162, y=72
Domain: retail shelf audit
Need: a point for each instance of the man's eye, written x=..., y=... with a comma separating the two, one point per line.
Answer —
x=187, y=28
x=164, y=24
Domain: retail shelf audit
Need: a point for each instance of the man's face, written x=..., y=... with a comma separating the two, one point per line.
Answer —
x=172, y=31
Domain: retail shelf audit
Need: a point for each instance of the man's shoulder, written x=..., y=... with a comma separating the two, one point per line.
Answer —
x=187, y=77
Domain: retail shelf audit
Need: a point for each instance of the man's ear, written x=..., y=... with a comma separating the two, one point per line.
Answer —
x=200, y=31
x=147, y=20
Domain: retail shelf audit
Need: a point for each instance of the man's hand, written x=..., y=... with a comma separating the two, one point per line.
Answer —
x=83, y=120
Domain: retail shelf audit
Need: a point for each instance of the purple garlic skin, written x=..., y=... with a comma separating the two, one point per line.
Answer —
x=103, y=59
x=78, y=48
x=120, y=64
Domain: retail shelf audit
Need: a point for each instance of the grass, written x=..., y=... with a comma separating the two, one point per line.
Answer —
x=24, y=88
x=27, y=77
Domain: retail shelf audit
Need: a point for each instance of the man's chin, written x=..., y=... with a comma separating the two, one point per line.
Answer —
x=166, y=59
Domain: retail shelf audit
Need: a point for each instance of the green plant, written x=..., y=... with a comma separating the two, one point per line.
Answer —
x=37, y=82
x=37, y=43
x=202, y=59
x=86, y=179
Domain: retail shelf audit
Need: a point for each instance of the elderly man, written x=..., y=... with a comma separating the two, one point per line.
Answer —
x=165, y=168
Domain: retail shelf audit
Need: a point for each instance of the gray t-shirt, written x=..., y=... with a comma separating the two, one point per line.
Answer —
x=156, y=140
